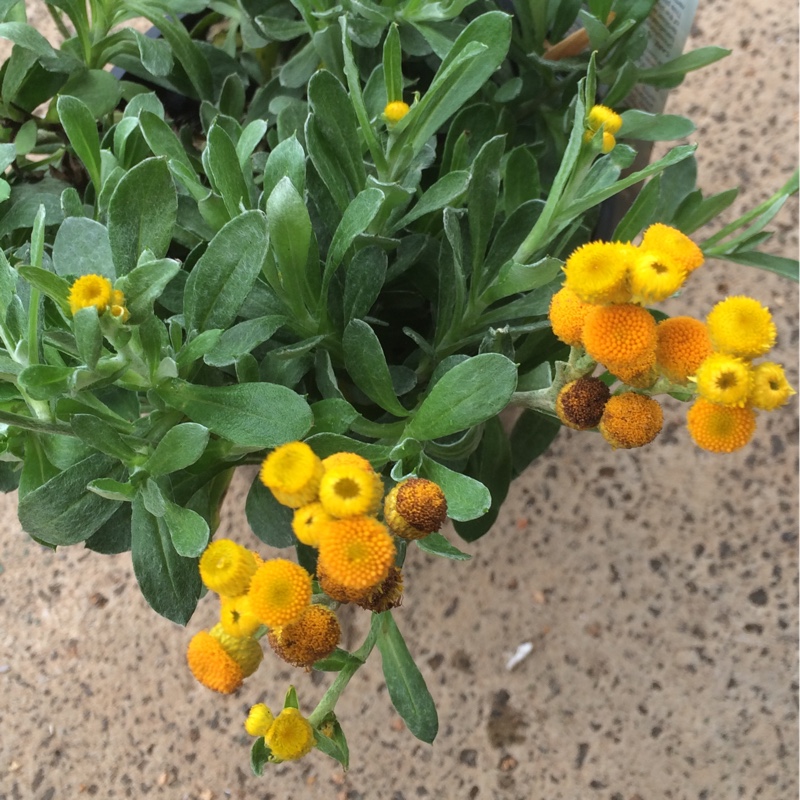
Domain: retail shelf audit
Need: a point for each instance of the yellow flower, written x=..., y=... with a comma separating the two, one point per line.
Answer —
x=292, y=472
x=236, y=616
x=683, y=345
x=211, y=665
x=308, y=523
x=259, y=719
x=724, y=379
x=395, y=111
x=769, y=388
x=580, y=403
x=279, y=592
x=567, y=314
x=312, y=637
x=631, y=420
x=598, y=272
x=605, y=118
x=720, y=429
x=245, y=650
x=414, y=508
x=349, y=491
x=619, y=335
x=356, y=552
x=90, y=290
x=226, y=567
x=741, y=326
x=290, y=736
x=666, y=239
x=655, y=276
x=118, y=308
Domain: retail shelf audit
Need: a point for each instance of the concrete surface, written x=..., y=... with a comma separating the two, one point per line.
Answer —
x=658, y=588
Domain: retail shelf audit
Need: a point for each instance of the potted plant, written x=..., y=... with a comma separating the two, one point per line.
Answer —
x=337, y=243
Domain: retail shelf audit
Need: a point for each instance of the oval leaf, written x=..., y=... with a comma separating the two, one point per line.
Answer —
x=180, y=448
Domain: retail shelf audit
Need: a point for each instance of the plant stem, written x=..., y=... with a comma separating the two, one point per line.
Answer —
x=328, y=702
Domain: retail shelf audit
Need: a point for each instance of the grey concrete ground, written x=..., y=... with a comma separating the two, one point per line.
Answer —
x=658, y=588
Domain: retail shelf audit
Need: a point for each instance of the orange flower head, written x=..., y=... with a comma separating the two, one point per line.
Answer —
x=683, y=345
x=631, y=420
x=619, y=335
x=666, y=239
x=640, y=374
x=227, y=567
x=598, y=272
x=720, y=429
x=312, y=637
x=337, y=591
x=567, y=313
x=356, y=552
x=580, y=403
x=279, y=592
x=211, y=665
x=387, y=594
x=292, y=472
x=414, y=508
x=741, y=326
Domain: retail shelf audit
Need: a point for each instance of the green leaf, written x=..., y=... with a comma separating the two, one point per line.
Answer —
x=532, y=434
x=286, y=159
x=82, y=247
x=259, y=756
x=196, y=348
x=641, y=213
x=81, y=129
x=113, y=536
x=162, y=140
x=366, y=363
x=45, y=382
x=482, y=199
x=250, y=414
x=446, y=191
x=269, y=520
x=63, y=511
x=787, y=267
x=466, y=498
x=224, y=275
x=332, y=415
x=144, y=284
x=156, y=54
x=188, y=530
x=169, y=582
x=678, y=67
x=648, y=127
x=514, y=278
x=437, y=545
x=696, y=210
x=406, y=686
x=477, y=52
x=334, y=131
x=363, y=282
x=142, y=213
x=334, y=745
x=101, y=436
x=226, y=171
x=243, y=338
x=180, y=447
x=393, y=65
x=99, y=90
x=336, y=661
x=356, y=218
x=112, y=490
x=469, y=393
x=88, y=335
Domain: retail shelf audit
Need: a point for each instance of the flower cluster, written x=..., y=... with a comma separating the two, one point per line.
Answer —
x=96, y=291
x=600, y=309
x=337, y=501
x=730, y=387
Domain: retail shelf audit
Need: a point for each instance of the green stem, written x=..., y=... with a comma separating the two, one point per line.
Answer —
x=31, y=424
x=59, y=22
x=328, y=702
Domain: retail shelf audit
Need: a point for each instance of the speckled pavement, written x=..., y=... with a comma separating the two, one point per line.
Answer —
x=658, y=588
